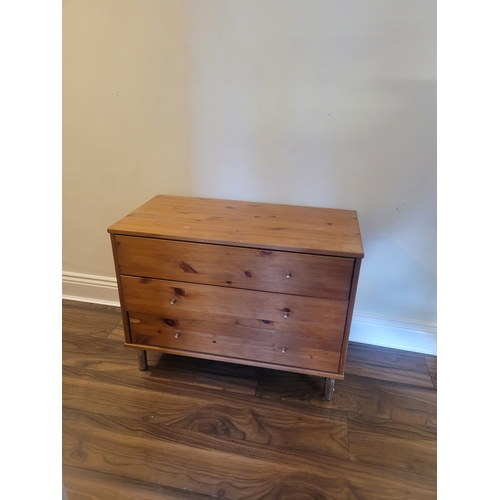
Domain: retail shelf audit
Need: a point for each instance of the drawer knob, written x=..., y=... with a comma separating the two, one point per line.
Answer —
x=288, y=275
x=173, y=301
x=287, y=313
x=283, y=350
x=177, y=335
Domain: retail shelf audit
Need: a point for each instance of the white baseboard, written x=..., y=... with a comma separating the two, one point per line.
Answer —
x=383, y=331
x=396, y=333
x=89, y=288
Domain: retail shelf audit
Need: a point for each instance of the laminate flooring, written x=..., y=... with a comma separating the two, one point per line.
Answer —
x=195, y=429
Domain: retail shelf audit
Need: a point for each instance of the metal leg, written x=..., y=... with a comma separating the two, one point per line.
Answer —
x=329, y=388
x=143, y=361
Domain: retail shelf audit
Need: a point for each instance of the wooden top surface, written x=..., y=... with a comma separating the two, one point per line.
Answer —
x=323, y=231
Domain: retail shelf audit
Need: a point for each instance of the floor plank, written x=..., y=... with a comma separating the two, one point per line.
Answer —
x=355, y=394
x=197, y=462
x=388, y=400
x=396, y=445
x=82, y=484
x=163, y=382
x=117, y=333
x=291, y=386
x=155, y=378
x=432, y=365
x=247, y=420
x=92, y=320
x=75, y=345
x=380, y=363
x=160, y=370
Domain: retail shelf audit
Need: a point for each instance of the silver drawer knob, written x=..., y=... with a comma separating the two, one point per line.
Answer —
x=174, y=300
x=283, y=350
x=288, y=275
x=177, y=335
x=286, y=315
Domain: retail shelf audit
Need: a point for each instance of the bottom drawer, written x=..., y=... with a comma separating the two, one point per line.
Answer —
x=238, y=342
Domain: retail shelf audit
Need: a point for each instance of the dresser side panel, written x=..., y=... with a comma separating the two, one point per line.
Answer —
x=350, y=310
x=126, y=326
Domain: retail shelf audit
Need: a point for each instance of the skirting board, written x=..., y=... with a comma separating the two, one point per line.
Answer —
x=383, y=331
x=89, y=288
x=396, y=333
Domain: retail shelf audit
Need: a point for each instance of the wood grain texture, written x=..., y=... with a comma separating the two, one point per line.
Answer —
x=117, y=333
x=74, y=345
x=266, y=304
x=220, y=417
x=396, y=445
x=254, y=269
x=387, y=400
x=320, y=231
x=125, y=323
x=195, y=428
x=432, y=366
x=361, y=395
x=82, y=484
x=307, y=316
x=350, y=312
x=388, y=364
x=167, y=377
x=180, y=459
x=89, y=319
x=236, y=341
x=156, y=378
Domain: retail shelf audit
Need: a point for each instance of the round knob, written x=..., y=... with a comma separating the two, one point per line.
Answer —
x=288, y=275
x=177, y=335
x=283, y=350
x=174, y=300
x=286, y=315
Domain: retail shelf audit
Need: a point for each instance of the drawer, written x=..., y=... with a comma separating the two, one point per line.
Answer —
x=254, y=269
x=238, y=342
x=267, y=311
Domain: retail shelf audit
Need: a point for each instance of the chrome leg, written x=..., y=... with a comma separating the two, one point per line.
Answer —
x=143, y=361
x=329, y=388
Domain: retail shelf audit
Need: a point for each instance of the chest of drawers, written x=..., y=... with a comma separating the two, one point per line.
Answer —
x=251, y=283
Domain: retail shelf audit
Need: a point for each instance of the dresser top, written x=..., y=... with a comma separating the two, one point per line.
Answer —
x=322, y=231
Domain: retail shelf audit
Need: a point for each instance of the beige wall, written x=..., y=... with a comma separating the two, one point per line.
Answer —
x=326, y=103
x=125, y=135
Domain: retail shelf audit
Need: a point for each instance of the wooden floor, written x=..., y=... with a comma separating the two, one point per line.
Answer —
x=195, y=429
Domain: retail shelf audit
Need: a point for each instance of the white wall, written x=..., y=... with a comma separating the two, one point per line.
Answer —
x=323, y=103
x=326, y=103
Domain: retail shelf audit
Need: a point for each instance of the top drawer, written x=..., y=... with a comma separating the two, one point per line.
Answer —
x=254, y=269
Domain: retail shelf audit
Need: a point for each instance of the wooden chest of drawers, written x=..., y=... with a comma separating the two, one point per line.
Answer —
x=250, y=283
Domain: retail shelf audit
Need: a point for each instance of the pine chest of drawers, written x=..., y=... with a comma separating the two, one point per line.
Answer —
x=251, y=283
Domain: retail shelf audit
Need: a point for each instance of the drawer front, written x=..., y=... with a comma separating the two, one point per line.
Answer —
x=267, y=311
x=254, y=269
x=239, y=342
